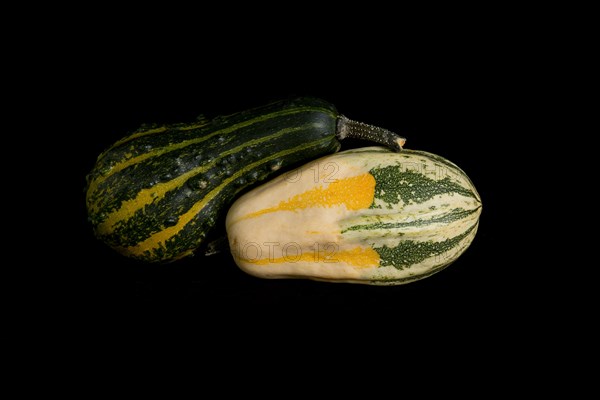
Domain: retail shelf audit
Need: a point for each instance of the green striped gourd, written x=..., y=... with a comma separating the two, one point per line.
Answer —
x=156, y=194
x=361, y=216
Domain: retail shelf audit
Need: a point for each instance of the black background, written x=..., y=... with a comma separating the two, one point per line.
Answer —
x=446, y=113
x=475, y=86
x=456, y=96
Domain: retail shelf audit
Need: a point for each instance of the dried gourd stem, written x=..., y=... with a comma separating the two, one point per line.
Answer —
x=346, y=128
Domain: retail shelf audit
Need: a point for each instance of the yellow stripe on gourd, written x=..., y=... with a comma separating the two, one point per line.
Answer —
x=157, y=192
x=137, y=135
x=144, y=197
x=358, y=257
x=162, y=150
x=355, y=193
x=155, y=241
x=159, y=130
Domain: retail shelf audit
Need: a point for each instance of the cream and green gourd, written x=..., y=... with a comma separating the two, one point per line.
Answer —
x=361, y=216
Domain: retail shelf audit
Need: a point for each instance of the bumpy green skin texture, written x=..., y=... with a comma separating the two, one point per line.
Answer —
x=249, y=147
x=393, y=186
x=390, y=190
